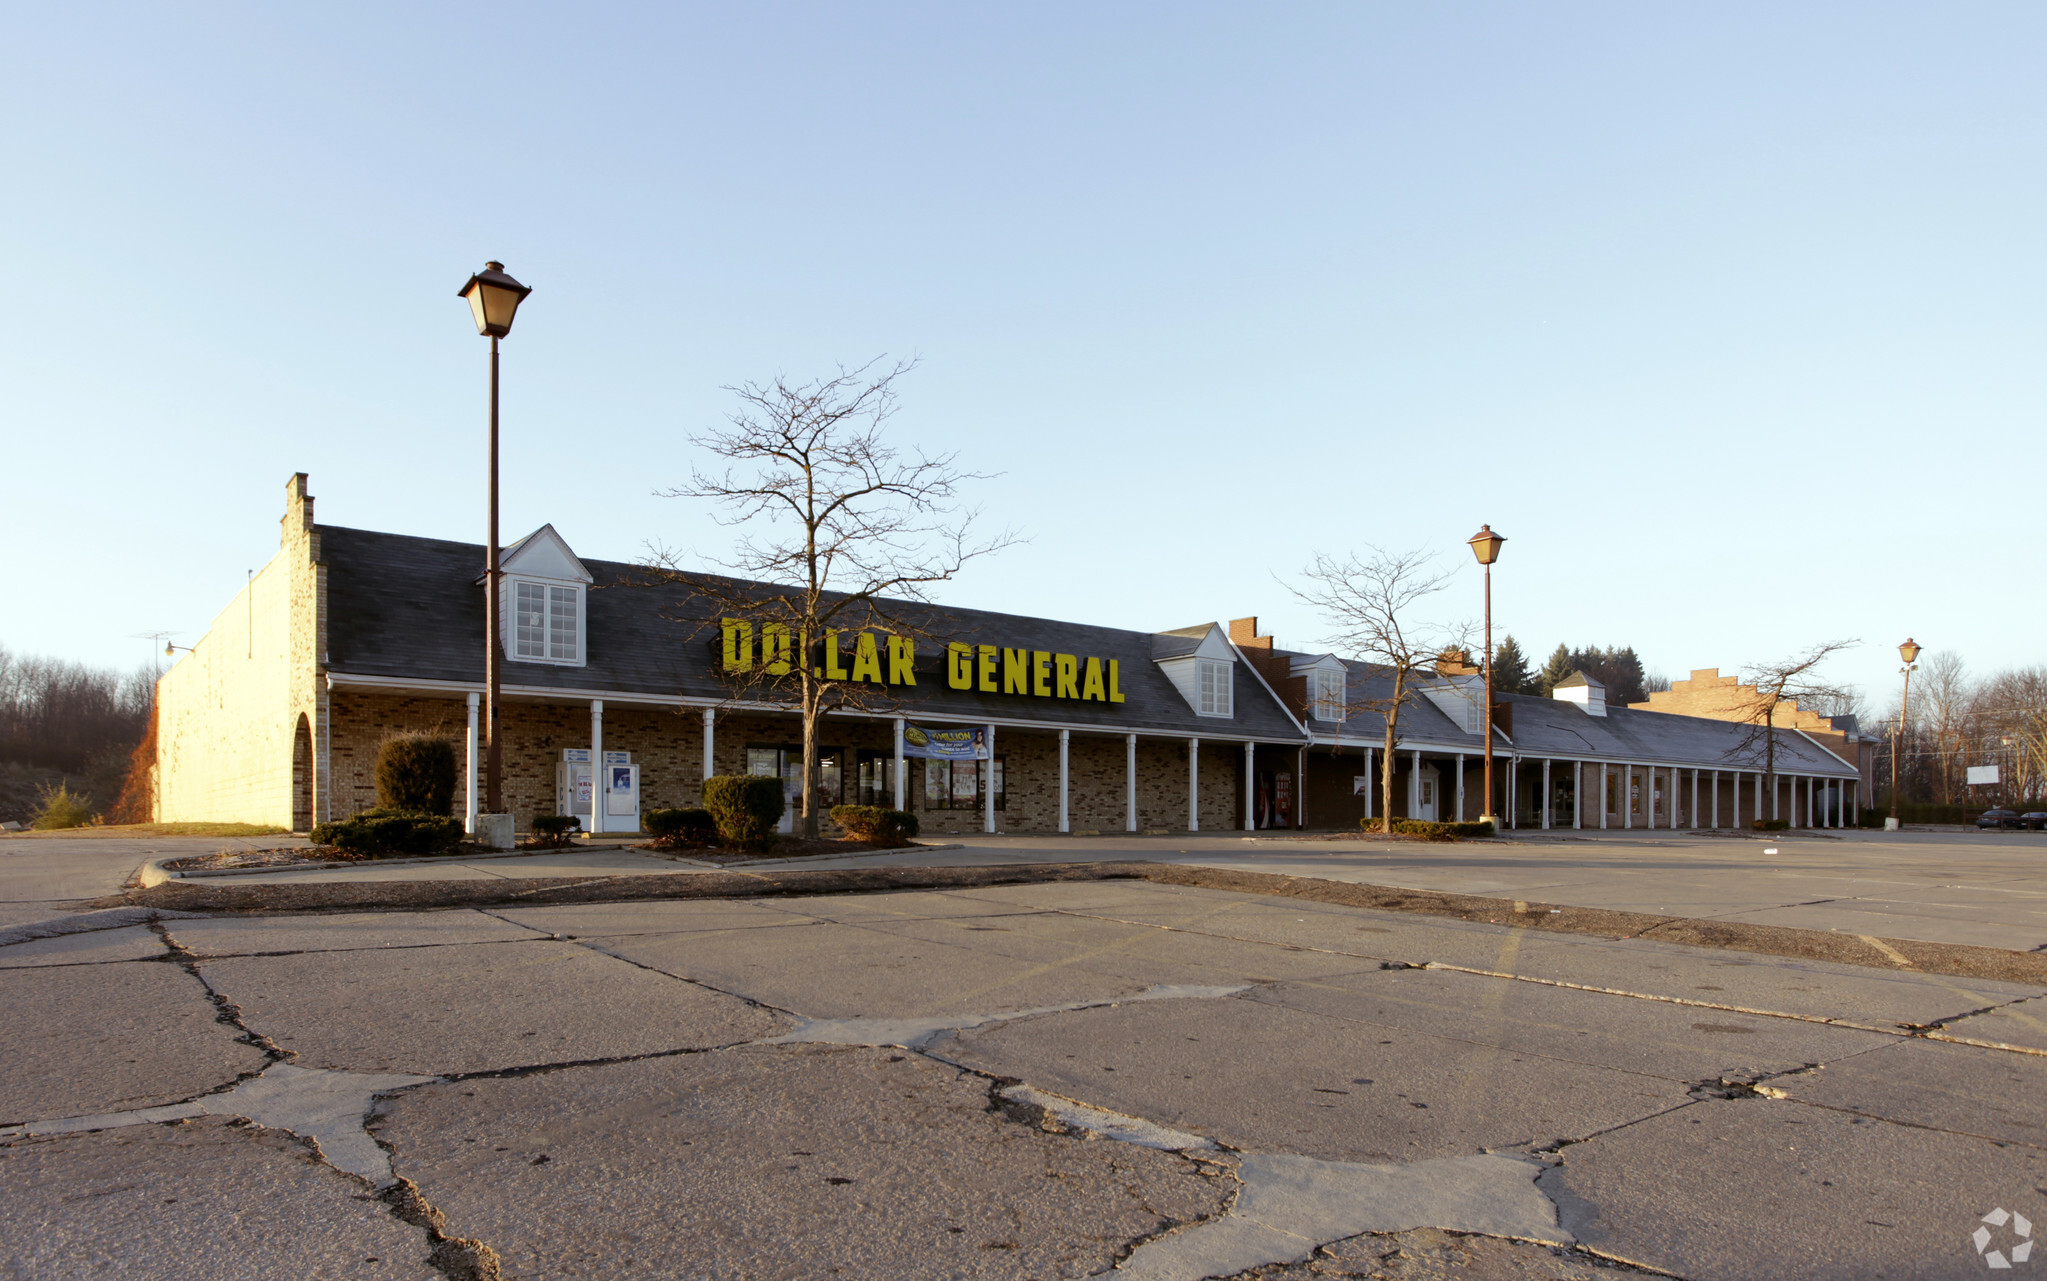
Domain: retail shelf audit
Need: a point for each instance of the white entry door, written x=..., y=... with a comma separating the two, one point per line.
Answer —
x=1431, y=788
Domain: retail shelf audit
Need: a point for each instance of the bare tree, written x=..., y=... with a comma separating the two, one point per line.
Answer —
x=842, y=528
x=1783, y=686
x=2011, y=709
x=1368, y=603
x=1947, y=705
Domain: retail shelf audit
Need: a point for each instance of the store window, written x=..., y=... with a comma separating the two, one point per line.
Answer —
x=956, y=785
x=1215, y=687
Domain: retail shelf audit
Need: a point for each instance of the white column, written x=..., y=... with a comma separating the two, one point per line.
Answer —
x=1602, y=795
x=1193, y=784
x=1414, y=785
x=1065, y=737
x=1776, y=794
x=1250, y=784
x=1130, y=783
x=1627, y=797
x=901, y=768
x=1649, y=798
x=710, y=742
x=1734, y=789
x=597, y=776
x=1716, y=800
x=1370, y=774
x=988, y=792
x=1460, y=788
x=469, y=786
x=1545, y=793
x=1695, y=798
x=1577, y=795
x=1809, y=801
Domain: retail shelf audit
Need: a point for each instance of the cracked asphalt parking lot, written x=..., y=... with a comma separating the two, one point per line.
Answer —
x=1051, y=1080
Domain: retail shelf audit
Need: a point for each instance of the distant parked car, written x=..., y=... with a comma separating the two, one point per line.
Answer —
x=1999, y=818
x=2034, y=819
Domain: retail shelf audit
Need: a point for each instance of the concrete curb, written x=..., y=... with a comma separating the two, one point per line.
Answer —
x=86, y=922
x=155, y=869
x=153, y=873
x=1892, y=954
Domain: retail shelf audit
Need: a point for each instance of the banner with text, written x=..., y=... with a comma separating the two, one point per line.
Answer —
x=949, y=743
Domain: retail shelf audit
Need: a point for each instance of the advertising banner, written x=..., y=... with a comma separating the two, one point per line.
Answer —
x=1982, y=775
x=946, y=743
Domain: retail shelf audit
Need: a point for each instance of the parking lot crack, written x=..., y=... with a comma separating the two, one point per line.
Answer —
x=456, y=1258
x=225, y=1010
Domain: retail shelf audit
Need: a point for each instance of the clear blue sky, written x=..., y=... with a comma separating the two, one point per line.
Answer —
x=1729, y=317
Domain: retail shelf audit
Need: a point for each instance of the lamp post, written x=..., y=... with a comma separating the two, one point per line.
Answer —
x=493, y=298
x=1909, y=651
x=1485, y=545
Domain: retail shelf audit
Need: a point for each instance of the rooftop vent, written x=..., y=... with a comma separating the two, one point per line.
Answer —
x=1583, y=690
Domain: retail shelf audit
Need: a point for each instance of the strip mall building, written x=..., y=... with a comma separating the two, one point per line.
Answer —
x=348, y=636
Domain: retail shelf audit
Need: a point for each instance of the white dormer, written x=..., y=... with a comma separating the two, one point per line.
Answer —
x=1206, y=675
x=1461, y=697
x=546, y=591
x=1583, y=690
x=1328, y=682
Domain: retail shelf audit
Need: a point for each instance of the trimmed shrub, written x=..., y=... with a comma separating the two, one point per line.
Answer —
x=679, y=829
x=555, y=828
x=416, y=774
x=61, y=808
x=746, y=808
x=383, y=833
x=876, y=825
x=1770, y=825
x=1428, y=831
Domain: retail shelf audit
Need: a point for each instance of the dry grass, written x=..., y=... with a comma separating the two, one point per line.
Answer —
x=161, y=829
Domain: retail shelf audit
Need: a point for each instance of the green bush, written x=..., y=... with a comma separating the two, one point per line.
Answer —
x=746, y=808
x=874, y=824
x=1770, y=825
x=555, y=828
x=1428, y=831
x=678, y=829
x=416, y=774
x=383, y=833
x=60, y=808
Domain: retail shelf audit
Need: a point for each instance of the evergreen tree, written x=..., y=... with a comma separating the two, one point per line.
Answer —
x=1617, y=667
x=1559, y=667
x=1510, y=669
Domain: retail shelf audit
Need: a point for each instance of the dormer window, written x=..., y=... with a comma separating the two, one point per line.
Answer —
x=1325, y=687
x=1215, y=687
x=541, y=618
x=547, y=623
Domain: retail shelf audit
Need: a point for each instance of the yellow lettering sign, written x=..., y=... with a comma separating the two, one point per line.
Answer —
x=1091, y=682
x=1067, y=670
x=959, y=665
x=1015, y=671
x=902, y=661
x=866, y=659
x=738, y=644
x=986, y=655
x=1041, y=673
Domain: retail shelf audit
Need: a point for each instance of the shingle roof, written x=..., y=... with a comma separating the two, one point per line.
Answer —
x=1560, y=728
x=412, y=608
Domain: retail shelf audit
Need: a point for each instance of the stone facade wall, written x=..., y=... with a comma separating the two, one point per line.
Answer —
x=229, y=711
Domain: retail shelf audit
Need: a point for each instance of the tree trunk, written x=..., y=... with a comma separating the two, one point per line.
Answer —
x=807, y=822
x=1386, y=765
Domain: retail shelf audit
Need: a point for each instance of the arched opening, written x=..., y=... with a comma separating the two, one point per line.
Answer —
x=302, y=777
